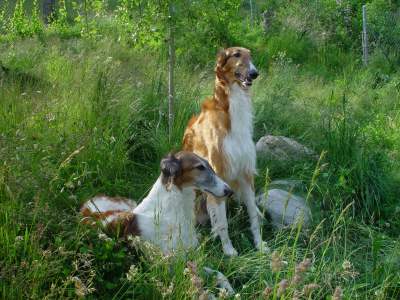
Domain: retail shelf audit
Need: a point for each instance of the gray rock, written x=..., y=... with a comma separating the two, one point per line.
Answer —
x=284, y=208
x=283, y=148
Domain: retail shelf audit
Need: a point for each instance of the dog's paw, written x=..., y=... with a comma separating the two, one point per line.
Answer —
x=229, y=250
x=263, y=247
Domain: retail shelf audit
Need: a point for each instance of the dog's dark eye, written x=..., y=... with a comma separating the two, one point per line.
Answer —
x=201, y=167
x=237, y=54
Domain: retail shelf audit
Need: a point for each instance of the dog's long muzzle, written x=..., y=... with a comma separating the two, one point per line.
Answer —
x=219, y=189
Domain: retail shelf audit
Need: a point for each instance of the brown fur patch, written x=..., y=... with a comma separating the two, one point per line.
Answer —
x=125, y=224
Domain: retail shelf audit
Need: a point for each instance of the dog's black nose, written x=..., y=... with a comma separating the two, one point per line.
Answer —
x=253, y=74
x=228, y=192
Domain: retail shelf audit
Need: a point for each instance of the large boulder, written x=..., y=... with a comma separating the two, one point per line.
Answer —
x=283, y=148
x=285, y=208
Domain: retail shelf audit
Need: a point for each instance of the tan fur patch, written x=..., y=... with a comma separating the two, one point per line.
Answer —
x=204, y=135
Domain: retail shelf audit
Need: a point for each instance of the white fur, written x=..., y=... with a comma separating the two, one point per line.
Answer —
x=240, y=153
x=238, y=145
x=219, y=225
x=102, y=204
x=252, y=67
x=166, y=218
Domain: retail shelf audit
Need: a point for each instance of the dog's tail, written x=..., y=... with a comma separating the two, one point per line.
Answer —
x=115, y=214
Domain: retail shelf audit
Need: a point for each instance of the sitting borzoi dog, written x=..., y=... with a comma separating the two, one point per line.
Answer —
x=223, y=134
x=165, y=216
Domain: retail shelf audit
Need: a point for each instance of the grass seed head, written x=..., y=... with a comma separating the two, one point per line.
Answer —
x=282, y=286
x=338, y=294
x=303, y=266
x=276, y=262
x=296, y=295
x=309, y=288
x=267, y=293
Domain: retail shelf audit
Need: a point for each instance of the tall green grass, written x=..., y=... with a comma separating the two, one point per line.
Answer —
x=83, y=113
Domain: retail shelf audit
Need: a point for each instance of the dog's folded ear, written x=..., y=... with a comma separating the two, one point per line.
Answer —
x=170, y=169
x=221, y=58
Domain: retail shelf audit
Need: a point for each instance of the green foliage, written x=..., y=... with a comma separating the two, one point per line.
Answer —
x=60, y=24
x=19, y=22
x=83, y=111
x=3, y=17
x=384, y=30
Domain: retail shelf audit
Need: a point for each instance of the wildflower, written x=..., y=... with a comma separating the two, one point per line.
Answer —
x=80, y=288
x=237, y=296
x=267, y=293
x=46, y=253
x=133, y=271
x=104, y=237
x=346, y=265
x=223, y=294
x=309, y=288
x=19, y=238
x=134, y=241
x=62, y=251
x=282, y=286
x=24, y=264
x=338, y=294
x=206, y=295
x=348, y=270
x=166, y=291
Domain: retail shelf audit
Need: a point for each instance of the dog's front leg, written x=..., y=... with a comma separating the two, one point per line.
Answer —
x=217, y=210
x=248, y=197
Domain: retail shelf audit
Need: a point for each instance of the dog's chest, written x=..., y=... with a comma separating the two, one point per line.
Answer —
x=167, y=219
x=238, y=145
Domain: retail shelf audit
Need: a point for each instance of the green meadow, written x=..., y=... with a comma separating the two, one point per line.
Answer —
x=84, y=111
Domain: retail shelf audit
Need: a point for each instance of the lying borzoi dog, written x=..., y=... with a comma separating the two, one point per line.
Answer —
x=223, y=134
x=165, y=216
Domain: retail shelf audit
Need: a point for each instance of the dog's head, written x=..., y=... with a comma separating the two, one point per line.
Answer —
x=188, y=170
x=235, y=65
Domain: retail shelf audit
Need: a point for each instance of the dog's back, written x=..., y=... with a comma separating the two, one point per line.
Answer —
x=114, y=213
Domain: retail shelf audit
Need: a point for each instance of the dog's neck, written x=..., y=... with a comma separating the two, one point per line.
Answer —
x=166, y=201
x=238, y=145
x=236, y=101
x=165, y=217
x=221, y=93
